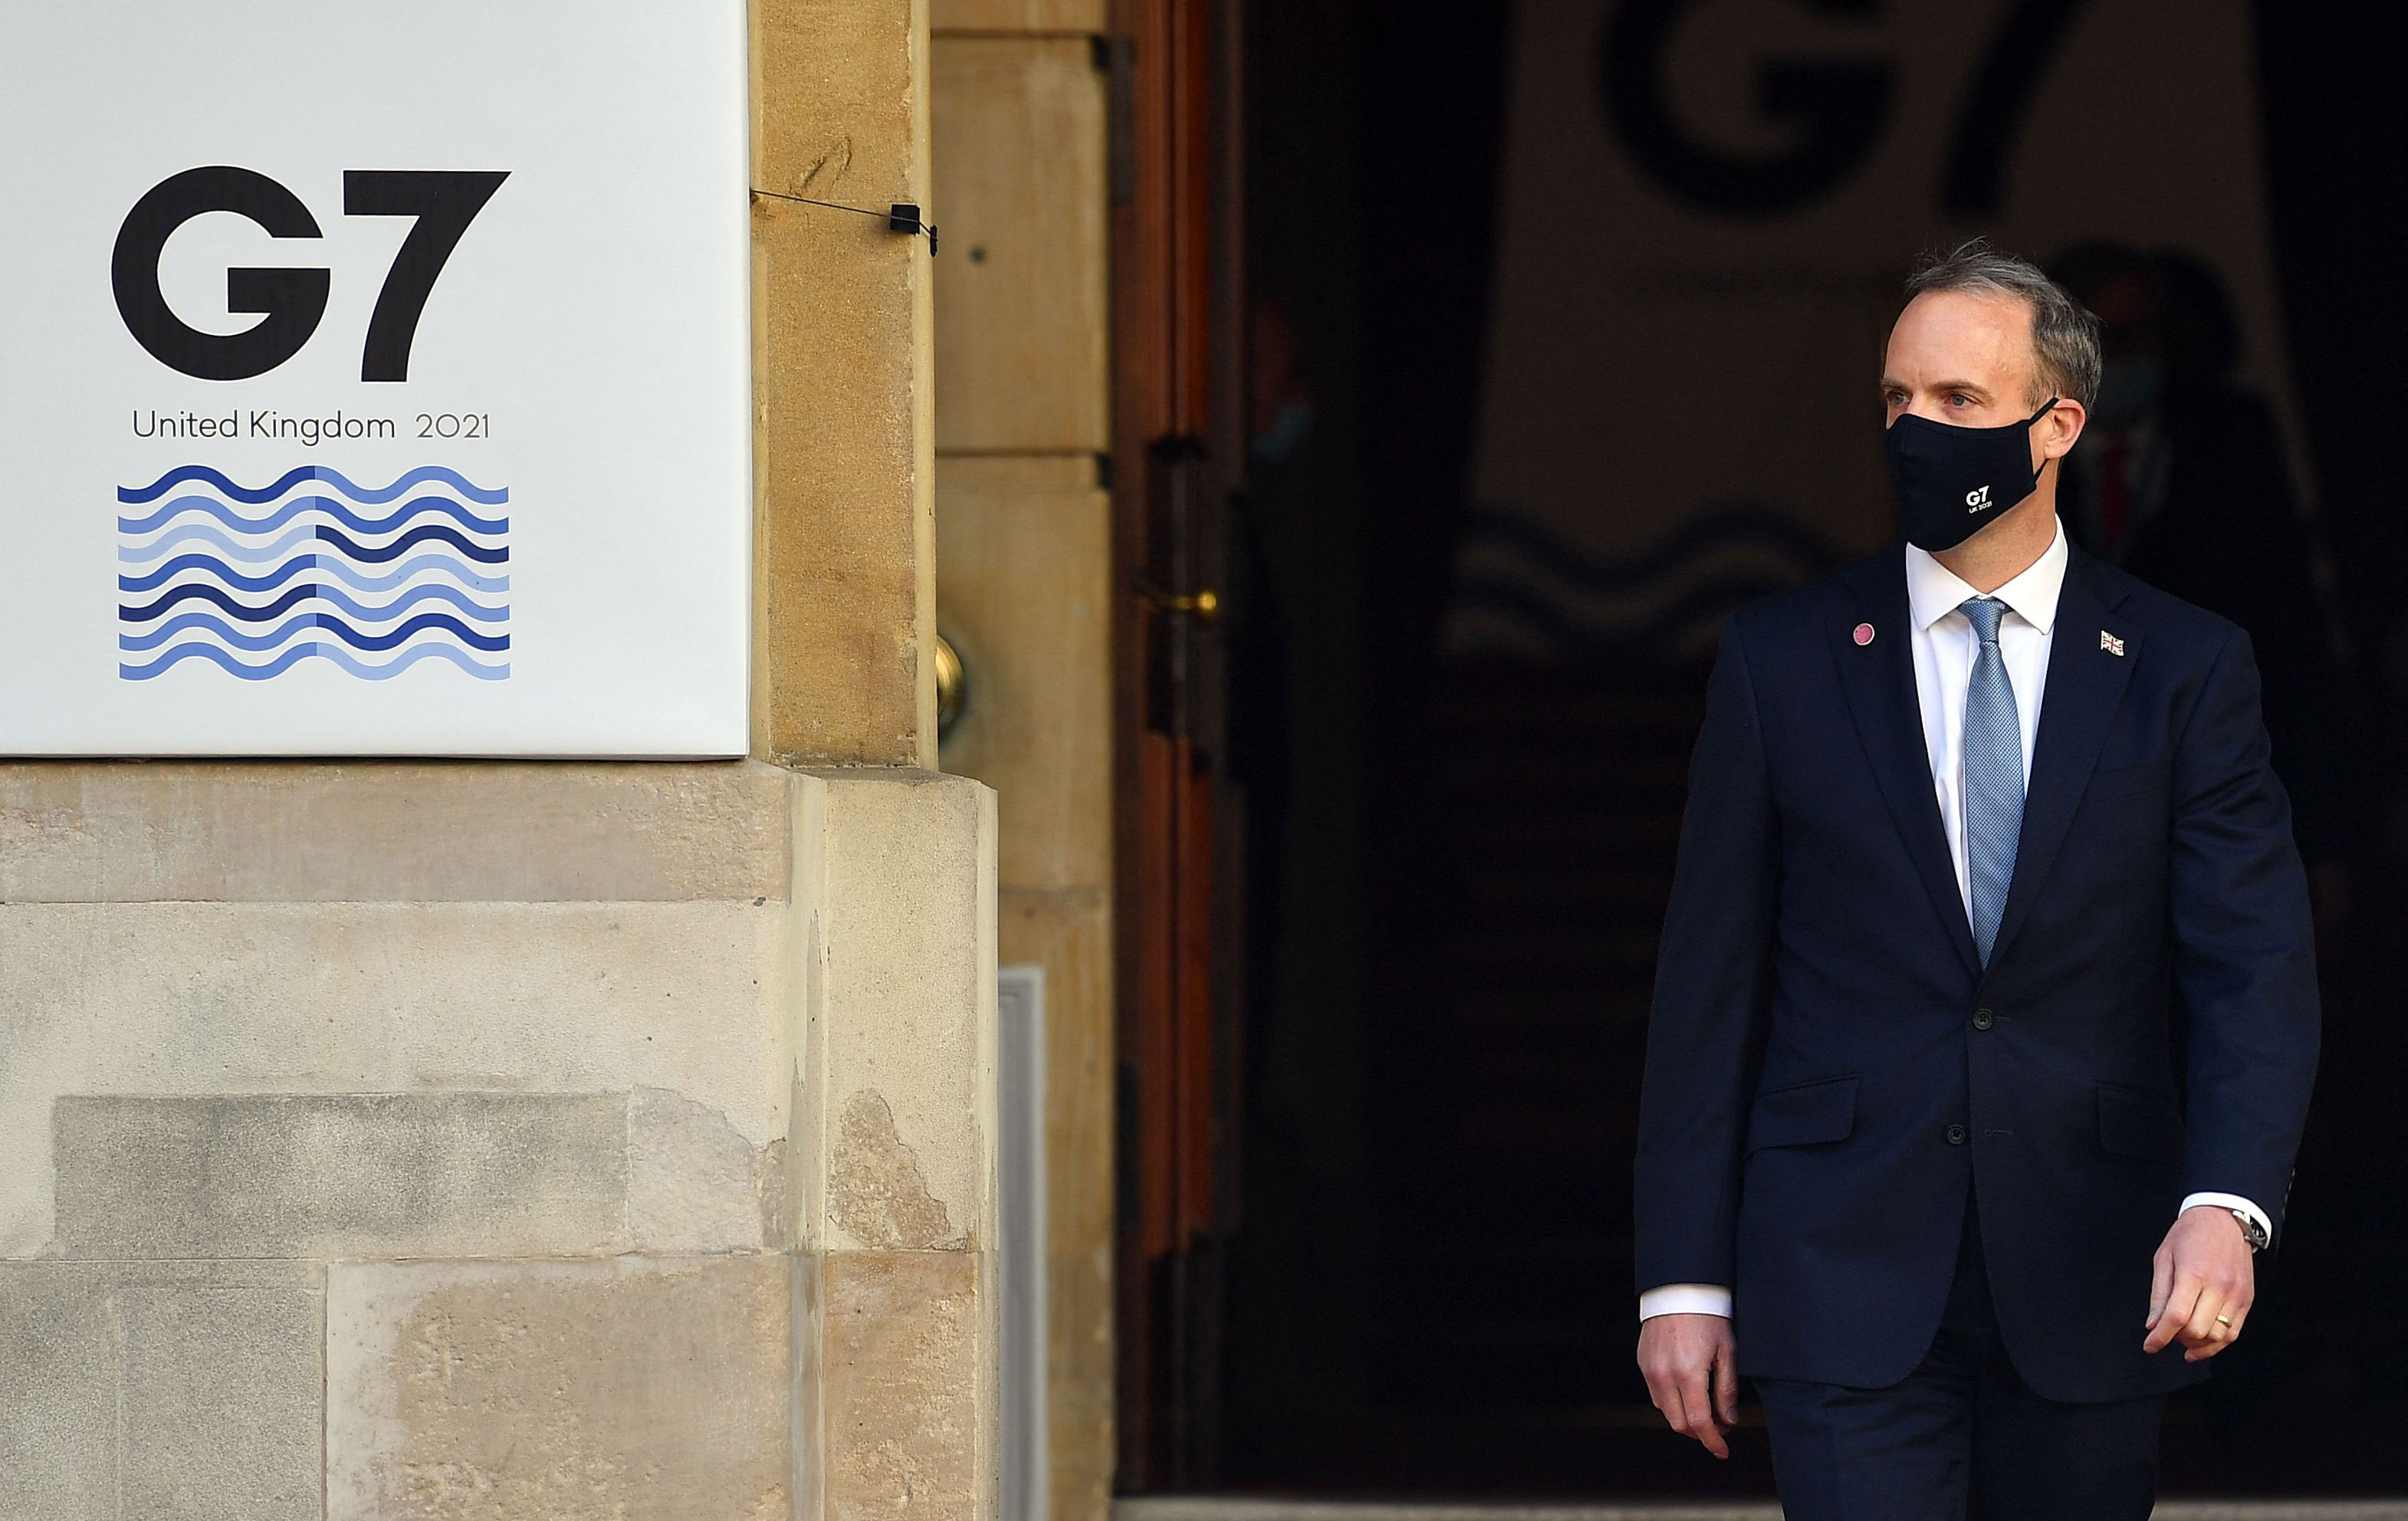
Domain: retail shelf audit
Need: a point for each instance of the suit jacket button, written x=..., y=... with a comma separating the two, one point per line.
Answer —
x=1982, y=1019
x=1955, y=1135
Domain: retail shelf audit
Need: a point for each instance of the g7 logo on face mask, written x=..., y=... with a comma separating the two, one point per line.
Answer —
x=291, y=303
x=1976, y=500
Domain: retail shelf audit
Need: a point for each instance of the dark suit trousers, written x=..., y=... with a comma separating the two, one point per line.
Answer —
x=1960, y=1436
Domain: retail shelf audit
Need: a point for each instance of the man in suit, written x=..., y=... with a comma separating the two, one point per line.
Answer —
x=1972, y=826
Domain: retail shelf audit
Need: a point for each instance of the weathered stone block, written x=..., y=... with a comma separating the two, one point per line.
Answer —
x=222, y=1384
x=695, y=1184
x=58, y=1395
x=1021, y=135
x=695, y=998
x=908, y=1097
x=392, y=831
x=1024, y=561
x=911, y=1392
x=655, y=1387
x=842, y=543
x=161, y=1391
x=844, y=580
x=266, y=1175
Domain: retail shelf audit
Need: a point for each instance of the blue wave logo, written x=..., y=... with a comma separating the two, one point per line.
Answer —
x=372, y=579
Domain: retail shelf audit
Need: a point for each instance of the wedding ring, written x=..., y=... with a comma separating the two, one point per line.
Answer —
x=2224, y=1320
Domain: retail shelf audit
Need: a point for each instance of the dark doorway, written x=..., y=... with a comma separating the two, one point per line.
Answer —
x=1463, y=722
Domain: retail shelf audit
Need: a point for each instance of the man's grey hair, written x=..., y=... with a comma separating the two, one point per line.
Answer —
x=2065, y=334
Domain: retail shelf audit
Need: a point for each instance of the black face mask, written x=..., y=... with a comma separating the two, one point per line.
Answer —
x=1950, y=482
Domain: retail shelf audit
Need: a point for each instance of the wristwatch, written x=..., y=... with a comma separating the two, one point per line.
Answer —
x=2251, y=1231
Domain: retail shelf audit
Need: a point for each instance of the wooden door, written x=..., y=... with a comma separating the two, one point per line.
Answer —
x=1179, y=440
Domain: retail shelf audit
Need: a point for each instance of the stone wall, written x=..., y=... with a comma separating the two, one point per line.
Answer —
x=495, y=1141
x=1021, y=125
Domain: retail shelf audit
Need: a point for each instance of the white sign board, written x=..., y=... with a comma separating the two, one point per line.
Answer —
x=374, y=378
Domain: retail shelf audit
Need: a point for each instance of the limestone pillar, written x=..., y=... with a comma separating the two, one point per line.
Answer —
x=1022, y=132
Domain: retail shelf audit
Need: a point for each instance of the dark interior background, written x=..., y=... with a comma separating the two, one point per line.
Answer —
x=1458, y=867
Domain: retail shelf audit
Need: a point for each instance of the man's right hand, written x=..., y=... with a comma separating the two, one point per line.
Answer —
x=1692, y=1370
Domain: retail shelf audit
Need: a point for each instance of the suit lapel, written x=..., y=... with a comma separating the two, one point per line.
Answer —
x=2085, y=682
x=1879, y=680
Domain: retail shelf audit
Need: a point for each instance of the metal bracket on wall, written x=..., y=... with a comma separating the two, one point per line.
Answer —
x=901, y=217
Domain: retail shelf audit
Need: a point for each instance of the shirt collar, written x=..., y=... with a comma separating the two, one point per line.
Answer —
x=1933, y=591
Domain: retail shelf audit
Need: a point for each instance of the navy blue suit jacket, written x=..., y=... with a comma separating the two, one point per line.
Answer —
x=1830, y=1067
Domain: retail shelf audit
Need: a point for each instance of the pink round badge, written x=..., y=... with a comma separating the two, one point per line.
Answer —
x=1864, y=633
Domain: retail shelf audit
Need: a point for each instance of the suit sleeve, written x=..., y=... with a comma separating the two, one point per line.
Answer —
x=2244, y=954
x=1713, y=979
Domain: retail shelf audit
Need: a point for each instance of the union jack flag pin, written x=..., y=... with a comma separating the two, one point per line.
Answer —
x=2110, y=643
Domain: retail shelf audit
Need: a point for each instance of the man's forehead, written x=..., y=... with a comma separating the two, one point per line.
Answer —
x=1970, y=313
x=1961, y=331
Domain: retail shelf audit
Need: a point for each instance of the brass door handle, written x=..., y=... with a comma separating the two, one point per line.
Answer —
x=1204, y=605
x=953, y=686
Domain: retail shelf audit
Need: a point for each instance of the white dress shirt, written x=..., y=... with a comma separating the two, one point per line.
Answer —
x=1945, y=646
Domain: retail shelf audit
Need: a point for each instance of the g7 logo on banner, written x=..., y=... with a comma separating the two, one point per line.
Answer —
x=291, y=303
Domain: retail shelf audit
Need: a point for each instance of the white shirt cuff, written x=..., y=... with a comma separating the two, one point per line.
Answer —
x=1685, y=1300
x=1716, y=1299
x=2222, y=1201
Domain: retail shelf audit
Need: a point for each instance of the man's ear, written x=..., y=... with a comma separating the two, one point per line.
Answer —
x=2061, y=427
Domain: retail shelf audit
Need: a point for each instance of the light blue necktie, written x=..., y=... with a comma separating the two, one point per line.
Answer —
x=1993, y=776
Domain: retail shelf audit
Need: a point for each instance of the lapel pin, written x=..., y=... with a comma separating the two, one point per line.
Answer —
x=2107, y=641
x=1865, y=633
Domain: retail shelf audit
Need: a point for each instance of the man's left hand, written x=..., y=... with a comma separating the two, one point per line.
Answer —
x=2205, y=1283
